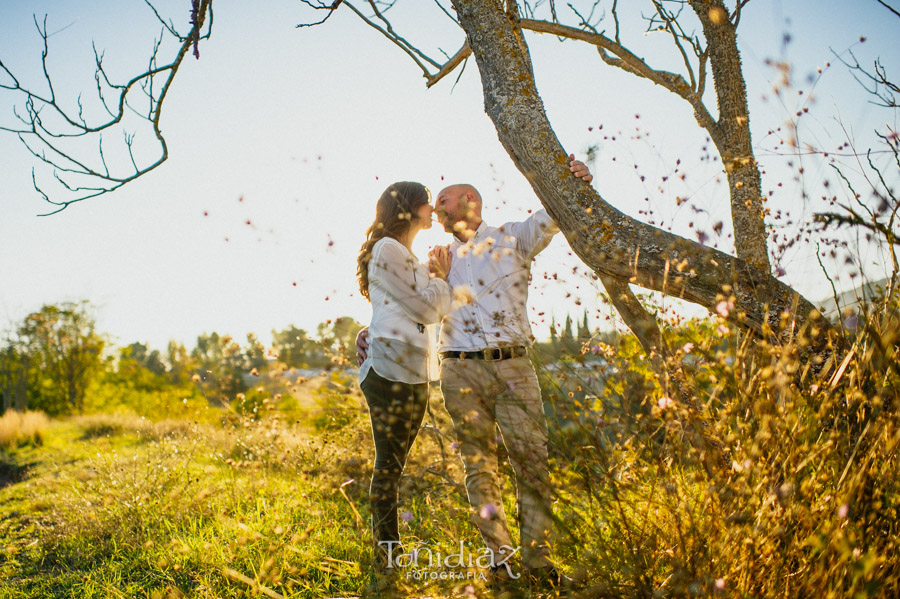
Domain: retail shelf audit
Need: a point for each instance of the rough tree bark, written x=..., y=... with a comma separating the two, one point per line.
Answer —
x=731, y=133
x=613, y=244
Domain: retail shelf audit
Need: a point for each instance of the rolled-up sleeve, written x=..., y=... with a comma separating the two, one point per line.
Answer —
x=424, y=299
x=534, y=233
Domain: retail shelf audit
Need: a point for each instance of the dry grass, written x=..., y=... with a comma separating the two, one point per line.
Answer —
x=19, y=428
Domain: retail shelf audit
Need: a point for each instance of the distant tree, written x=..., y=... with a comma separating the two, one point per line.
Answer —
x=338, y=339
x=255, y=355
x=145, y=357
x=584, y=330
x=64, y=354
x=180, y=364
x=13, y=377
x=140, y=368
x=219, y=366
x=296, y=349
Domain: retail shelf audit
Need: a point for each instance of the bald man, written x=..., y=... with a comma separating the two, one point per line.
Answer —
x=487, y=379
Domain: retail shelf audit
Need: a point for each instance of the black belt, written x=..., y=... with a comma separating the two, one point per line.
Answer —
x=492, y=354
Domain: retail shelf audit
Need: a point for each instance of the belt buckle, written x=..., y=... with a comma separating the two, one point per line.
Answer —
x=489, y=354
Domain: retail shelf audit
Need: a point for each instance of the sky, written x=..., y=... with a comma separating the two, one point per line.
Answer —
x=281, y=140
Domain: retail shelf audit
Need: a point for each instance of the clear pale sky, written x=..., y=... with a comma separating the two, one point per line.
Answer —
x=282, y=139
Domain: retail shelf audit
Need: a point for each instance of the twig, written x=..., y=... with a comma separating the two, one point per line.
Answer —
x=253, y=584
x=451, y=64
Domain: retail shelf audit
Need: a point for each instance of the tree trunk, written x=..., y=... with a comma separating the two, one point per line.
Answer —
x=610, y=242
x=641, y=322
x=731, y=133
x=21, y=393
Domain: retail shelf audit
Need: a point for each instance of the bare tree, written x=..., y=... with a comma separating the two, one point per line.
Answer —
x=51, y=130
x=879, y=214
x=620, y=249
x=609, y=241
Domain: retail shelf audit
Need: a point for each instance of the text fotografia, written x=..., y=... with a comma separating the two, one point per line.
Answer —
x=428, y=563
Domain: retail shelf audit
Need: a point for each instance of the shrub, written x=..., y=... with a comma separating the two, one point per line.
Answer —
x=769, y=472
x=19, y=428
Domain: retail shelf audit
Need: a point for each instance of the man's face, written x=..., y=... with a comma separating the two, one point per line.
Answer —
x=457, y=207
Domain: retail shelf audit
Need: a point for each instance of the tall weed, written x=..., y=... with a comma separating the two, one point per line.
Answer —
x=18, y=428
x=766, y=473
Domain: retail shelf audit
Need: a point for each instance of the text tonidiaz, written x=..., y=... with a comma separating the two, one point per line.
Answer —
x=423, y=561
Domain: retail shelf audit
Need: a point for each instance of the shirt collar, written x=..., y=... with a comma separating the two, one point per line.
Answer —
x=478, y=233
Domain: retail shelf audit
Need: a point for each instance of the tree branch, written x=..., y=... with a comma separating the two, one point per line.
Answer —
x=462, y=55
x=889, y=7
x=610, y=242
x=628, y=61
x=50, y=138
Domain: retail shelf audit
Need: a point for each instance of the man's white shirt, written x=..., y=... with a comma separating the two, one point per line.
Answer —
x=489, y=278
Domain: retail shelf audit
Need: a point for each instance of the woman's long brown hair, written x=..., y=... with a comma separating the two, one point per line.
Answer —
x=394, y=212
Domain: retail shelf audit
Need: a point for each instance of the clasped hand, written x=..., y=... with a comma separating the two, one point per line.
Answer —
x=439, y=260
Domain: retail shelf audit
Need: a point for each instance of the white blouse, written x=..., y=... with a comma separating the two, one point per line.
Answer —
x=406, y=302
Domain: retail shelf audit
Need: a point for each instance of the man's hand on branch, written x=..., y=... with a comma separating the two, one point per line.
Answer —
x=580, y=169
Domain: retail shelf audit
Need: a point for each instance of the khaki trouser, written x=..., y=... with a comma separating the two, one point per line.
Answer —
x=480, y=395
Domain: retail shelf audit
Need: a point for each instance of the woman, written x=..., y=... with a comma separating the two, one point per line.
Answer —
x=406, y=296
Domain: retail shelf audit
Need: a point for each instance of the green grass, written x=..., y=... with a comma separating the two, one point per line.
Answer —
x=118, y=506
x=139, y=511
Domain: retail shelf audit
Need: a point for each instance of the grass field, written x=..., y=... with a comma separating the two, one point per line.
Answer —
x=118, y=506
x=758, y=475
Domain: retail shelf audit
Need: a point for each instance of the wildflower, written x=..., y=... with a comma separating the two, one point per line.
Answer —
x=406, y=516
x=723, y=308
x=687, y=347
x=463, y=294
x=665, y=402
x=723, y=330
x=843, y=511
x=488, y=511
x=720, y=584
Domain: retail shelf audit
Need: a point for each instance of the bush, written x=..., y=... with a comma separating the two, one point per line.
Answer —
x=20, y=428
x=765, y=472
x=119, y=394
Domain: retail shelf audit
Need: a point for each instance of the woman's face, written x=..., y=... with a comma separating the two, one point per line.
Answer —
x=423, y=214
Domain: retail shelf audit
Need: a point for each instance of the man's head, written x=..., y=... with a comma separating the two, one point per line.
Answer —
x=458, y=209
